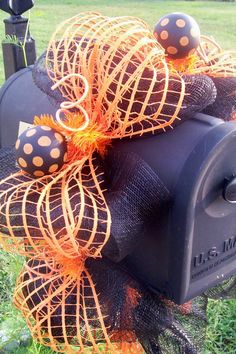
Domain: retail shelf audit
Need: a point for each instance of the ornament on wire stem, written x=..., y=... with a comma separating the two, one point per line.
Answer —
x=178, y=34
x=41, y=151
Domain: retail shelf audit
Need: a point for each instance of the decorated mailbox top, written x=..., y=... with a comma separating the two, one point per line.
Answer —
x=117, y=79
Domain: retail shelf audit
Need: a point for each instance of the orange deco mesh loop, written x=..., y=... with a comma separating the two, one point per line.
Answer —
x=61, y=307
x=64, y=214
x=214, y=61
x=130, y=88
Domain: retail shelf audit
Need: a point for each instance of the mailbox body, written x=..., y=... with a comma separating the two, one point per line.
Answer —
x=191, y=244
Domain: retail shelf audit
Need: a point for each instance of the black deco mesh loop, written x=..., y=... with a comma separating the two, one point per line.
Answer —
x=7, y=162
x=135, y=196
x=224, y=106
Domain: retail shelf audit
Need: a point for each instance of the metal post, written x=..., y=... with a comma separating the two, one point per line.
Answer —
x=18, y=47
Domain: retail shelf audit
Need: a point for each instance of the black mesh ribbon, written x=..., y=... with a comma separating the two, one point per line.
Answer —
x=7, y=162
x=224, y=106
x=135, y=195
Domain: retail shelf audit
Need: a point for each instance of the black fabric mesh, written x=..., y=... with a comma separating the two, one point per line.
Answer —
x=225, y=104
x=44, y=83
x=225, y=290
x=135, y=196
x=7, y=162
x=160, y=325
x=200, y=92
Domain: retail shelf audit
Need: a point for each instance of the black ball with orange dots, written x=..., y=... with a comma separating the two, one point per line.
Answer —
x=178, y=34
x=41, y=151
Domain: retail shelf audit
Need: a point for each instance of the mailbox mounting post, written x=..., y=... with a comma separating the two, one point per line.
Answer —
x=18, y=46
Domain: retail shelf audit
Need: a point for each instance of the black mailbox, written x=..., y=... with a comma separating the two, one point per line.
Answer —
x=191, y=245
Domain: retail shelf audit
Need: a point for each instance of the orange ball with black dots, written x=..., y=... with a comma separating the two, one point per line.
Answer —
x=178, y=34
x=41, y=151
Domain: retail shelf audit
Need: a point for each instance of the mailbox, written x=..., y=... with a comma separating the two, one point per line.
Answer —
x=190, y=245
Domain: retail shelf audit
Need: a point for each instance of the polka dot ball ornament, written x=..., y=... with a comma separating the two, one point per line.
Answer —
x=41, y=151
x=178, y=34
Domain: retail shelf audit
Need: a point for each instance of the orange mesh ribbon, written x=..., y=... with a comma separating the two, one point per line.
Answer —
x=61, y=306
x=52, y=213
x=213, y=61
x=209, y=59
x=122, y=62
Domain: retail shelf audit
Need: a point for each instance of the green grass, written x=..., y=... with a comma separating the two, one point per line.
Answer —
x=215, y=18
x=221, y=333
x=14, y=334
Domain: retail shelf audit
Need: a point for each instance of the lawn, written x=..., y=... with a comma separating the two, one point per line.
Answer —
x=216, y=19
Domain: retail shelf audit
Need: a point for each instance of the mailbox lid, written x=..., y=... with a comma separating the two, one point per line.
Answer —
x=28, y=102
